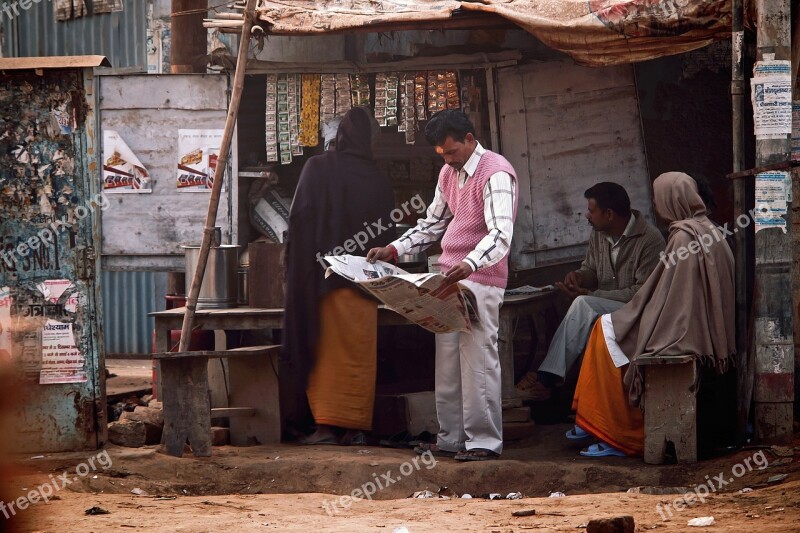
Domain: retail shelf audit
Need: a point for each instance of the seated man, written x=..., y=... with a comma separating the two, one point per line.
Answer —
x=686, y=307
x=623, y=251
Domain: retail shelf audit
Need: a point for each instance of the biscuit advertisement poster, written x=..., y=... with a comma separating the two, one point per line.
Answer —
x=198, y=151
x=122, y=170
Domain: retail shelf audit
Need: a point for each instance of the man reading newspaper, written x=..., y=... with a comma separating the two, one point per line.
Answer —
x=474, y=208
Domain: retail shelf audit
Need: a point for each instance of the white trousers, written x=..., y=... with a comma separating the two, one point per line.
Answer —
x=468, y=392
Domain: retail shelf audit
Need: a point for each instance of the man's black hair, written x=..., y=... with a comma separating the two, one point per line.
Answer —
x=448, y=123
x=610, y=195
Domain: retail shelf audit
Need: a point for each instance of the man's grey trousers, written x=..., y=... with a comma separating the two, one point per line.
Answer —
x=573, y=332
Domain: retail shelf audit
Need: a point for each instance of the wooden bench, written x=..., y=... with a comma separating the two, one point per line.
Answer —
x=254, y=411
x=670, y=407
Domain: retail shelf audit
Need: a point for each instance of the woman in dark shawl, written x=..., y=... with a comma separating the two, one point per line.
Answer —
x=686, y=307
x=343, y=204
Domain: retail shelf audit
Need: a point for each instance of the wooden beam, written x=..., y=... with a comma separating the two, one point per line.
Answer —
x=188, y=39
x=470, y=21
x=783, y=165
x=247, y=351
x=449, y=61
x=219, y=174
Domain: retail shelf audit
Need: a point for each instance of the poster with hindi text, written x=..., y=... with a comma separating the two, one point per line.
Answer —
x=62, y=362
x=198, y=152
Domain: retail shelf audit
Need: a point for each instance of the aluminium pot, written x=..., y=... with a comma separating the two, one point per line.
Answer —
x=410, y=260
x=220, y=288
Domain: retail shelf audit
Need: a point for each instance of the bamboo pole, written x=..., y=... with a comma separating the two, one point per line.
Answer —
x=219, y=173
x=744, y=354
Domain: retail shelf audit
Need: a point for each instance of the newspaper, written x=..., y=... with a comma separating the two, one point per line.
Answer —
x=526, y=290
x=411, y=295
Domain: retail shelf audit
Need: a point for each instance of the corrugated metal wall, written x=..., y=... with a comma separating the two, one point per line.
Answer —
x=119, y=36
x=127, y=298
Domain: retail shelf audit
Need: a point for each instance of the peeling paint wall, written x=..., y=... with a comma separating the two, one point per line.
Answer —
x=46, y=215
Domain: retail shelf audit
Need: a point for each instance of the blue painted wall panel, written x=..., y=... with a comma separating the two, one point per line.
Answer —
x=46, y=204
x=127, y=298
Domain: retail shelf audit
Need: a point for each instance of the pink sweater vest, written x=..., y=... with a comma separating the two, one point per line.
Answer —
x=468, y=226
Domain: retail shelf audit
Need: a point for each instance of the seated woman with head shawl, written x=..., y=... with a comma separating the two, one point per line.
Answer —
x=686, y=306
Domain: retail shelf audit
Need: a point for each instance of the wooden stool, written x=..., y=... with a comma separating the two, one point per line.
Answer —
x=670, y=407
x=254, y=413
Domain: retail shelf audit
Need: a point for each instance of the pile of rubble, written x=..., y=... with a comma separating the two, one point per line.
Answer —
x=137, y=422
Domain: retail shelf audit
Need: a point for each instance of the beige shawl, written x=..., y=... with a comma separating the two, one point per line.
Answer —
x=686, y=306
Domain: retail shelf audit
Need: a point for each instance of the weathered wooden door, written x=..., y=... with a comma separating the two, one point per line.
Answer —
x=48, y=310
x=565, y=127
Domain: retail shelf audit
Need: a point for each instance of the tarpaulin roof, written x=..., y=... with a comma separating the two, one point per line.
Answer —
x=595, y=32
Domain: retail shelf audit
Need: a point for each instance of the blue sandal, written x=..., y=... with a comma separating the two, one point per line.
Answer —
x=577, y=433
x=601, y=449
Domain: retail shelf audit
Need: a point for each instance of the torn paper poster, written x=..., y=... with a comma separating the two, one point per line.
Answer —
x=772, y=99
x=30, y=358
x=771, y=200
x=62, y=362
x=73, y=301
x=6, y=338
x=122, y=170
x=796, y=130
x=198, y=151
x=52, y=289
x=63, y=116
x=106, y=6
x=68, y=9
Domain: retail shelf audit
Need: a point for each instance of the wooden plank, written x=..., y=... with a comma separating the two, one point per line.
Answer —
x=514, y=142
x=254, y=351
x=186, y=406
x=249, y=318
x=164, y=91
x=670, y=412
x=505, y=348
x=232, y=412
x=266, y=266
x=254, y=383
x=451, y=61
x=421, y=409
x=518, y=430
x=456, y=21
x=235, y=312
x=517, y=414
x=565, y=78
x=222, y=323
x=491, y=97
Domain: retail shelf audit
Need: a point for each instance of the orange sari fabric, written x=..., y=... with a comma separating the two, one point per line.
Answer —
x=341, y=386
x=601, y=399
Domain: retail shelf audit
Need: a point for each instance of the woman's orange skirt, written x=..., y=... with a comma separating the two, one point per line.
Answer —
x=341, y=387
x=601, y=399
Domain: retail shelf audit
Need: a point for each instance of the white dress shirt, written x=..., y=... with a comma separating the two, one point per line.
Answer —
x=498, y=211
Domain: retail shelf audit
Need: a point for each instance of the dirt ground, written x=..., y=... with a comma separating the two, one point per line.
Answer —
x=289, y=488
